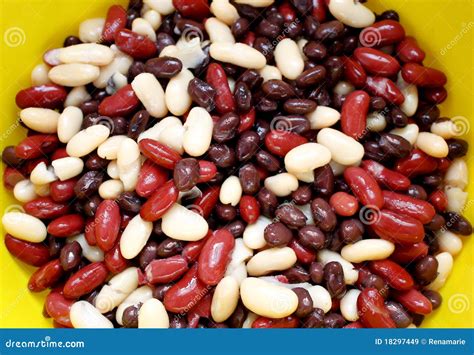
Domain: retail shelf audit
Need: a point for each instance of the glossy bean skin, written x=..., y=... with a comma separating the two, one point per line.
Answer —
x=206, y=203
x=386, y=88
x=344, y=204
x=62, y=191
x=354, y=72
x=372, y=311
x=324, y=181
x=249, y=209
x=163, y=67
x=58, y=307
x=294, y=218
x=277, y=234
x=197, y=10
x=107, y=224
x=122, y=103
x=116, y=20
x=134, y=44
x=159, y=153
x=399, y=229
x=395, y=275
x=299, y=106
x=160, y=202
x=405, y=254
x=409, y=52
x=303, y=254
x=138, y=124
x=354, y=113
x=269, y=323
x=418, y=75
x=458, y=224
x=45, y=208
x=417, y=163
x=114, y=261
x=166, y=270
x=150, y=178
x=215, y=256
x=35, y=254
x=281, y=142
x=45, y=96
x=334, y=277
x=414, y=301
x=192, y=250
x=186, y=174
x=202, y=93
x=85, y=280
x=389, y=32
x=377, y=62
x=386, y=177
x=406, y=205
x=70, y=256
x=88, y=184
x=46, y=276
x=66, y=226
x=364, y=186
x=36, y=146
x=401, y=318
x=217, y=79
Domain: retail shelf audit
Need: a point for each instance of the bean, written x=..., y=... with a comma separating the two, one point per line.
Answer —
x=307, y=157
x=270, y=260
x=413, y=301
x=130, y=317
x=238, y=54
x=426, y=269
x=305, y=303
x=310, y=77
x=281, y=184
x=315, y=319
x=247, y=145
x=421, y=210
x=457, y=148
x=456, y=223
x=323, y=215
x=434, y=298
x=299, y=106
x=85, y=280
x=135, y=237
x=35, y=146
x=312, y=237
x=34, y=254
x=324, y=180
x=334, y=277
x=372, y=311
x=73, y=74
x=288, y=59
x=401, y=318
x=344, y=150
x=418, y=75
x=24, y=227
x=198, y=124
x=354, y=113
x=281, y=142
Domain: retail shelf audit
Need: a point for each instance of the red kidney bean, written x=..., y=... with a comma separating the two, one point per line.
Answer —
x=303, y=254
x=163, y=271
x=354, y=325
x=115, y=21
x=417, y=163
x=435, y=95
x=399, y=229
x=386, y=177
x=114, y=261
x=45, y=208
x=197, y=10
x=70, y=256
x=66, y=226
x=364, y=186
x=372, y=311
x=439, y=200
x=89, y=232
x=344, y=204
x=46, y=276
x=281, y=142
x=247, y=121
x=122, y=103
x=214, y=257
x=186, y=292
x=354, y=114
x=107, y=224
x=319, y=10
x=249, y=209
x=377, y=62
x=388, y=32
x=45, y=96
x=414, y=301
x=408, y=253
x=58, y=308
x=160, y=202
x=150, y=178
x=409, y=206
x=207, y=171
x=385, y=88
x=36, y=146
x=86, y=280
x=135, y=45
x=62, y=191
x=421, y=76
x=159, y=153
x=409, y=52
x=35, y=254
x=31, y=164
x=192, y=250
x=206, y=203
x=11, y=177
x=201, y=310
x=395, y=275
x=59, y=153
x=217, y=79
x=354, y=72
x=287, y=322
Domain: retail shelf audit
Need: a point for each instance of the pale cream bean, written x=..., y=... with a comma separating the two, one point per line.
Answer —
x=224, y=299
x=112, y=169
x=450, y=242
x=69, y=123
x=68, y=167
x=457, y=198
x=198, y=132
x=116, y=290
x=177, y=97
x=251, y=317
x=323, y=117
x=238, y=54
x=24, y=191
x=409, y=132
x=350, y=273
x=411, y=326
x=240, y=254
x=92, y=253
x=267, y=299
x=343, y=88
x=110, y=147
x=42, y=174
x=87, y=53
x=307, y=176
x=42, y=120
x=39, y=75
x=445, y=128
x=376, y=122
x=255, y=3
x=349, y=305
x=231, y=191
x=152, y=314
x=188, y=51
x=301, y=43
x=253, y=234
x=269, y=260
x=181, y=223
x=231, y=83
x=164, y=7
x=238, y=272
x=149, y=91
x=87, y=140
x=281, y=184
x=351, y=13
x=129, y=174
x=432, y=145
x=288, y=59
x=169, y=131
x=116, y=82
x=445, y=266
x=134, y=237
x=307, y=157
x=144, y=28
x=218, y=31
x=85, y=315
x=127, y=152
x=410, y=92
x=120, y=64
x=77, y=96
x=344, y=150
x=111, y=189
x=52, y=57
x=224, y=11
x=74, y=74
x=367, y=249
x=457, y=174
x=24, y=226
x=42, y=190
x=320, y=297
x=140, y=295
x=154, y=18
x=337, y=169
x=91, y=30
x=270, y=72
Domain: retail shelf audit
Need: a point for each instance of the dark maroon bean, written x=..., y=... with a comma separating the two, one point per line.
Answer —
x=389, y=15
x=222, y=155
x=157, y=230
x=54, y=246
x=132, y=15
x=267, y=29
x=70, y=256
x=426, y=269
x=427, y=114
x=89, y=107
x=119, y=126
x=321, y=96
x=129, y=202
x=334, y=70
x=334, y=320
x=329, y=30
x=291, y=216
x=311, y=76
x=371, y=280
x=434, y=297
x=277, y=234
x=315, y=51
x=418, y=319
x=277, y=89
x=71, y=41
x=432, y=181
x=377, y=103
x=186, y=174
x=265, y=105
x=94, y=162
x=299, y=106
x=230, y=69
x=88, y=184
x=303, y=6
x=394, y=145
x=249, y=179
x=242, y=97
x=191, y=28
x=316, y=272
x=324, y=216
x=458, y=224
x=310, y=26
x=323, y=181
x=334, y=277
x=302, y=195
x=351, y=231
x=9, y=157
x=418, y=192
x=163, y=40
x=312, y=237
x=202, y=93
x=296, y=274
x=315, y=319
x=130, y=317
x=148, y=254
x=333, y=242
x=457, y=148
x=160, y=290
x=237, y=319
x=169, y=247
x=264, y=46
x=262, y=128
x=295, y=123
x=251, y=78
x=437, y=222
x=397, y=117
x=226, y=127
x=350, y=44
x=374, y=152
x=240, y=27
x=91, y=204
x=135, y=69
x=268, y=201
x=138, y=124
x=93, y=119
x=305, y=302
x=267, y=161
x=236, y=228
x=225, y=213
x=398, y=314
x=163, y=67
x=247, y=145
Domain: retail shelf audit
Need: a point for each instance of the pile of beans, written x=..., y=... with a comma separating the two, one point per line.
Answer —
x=237, y=163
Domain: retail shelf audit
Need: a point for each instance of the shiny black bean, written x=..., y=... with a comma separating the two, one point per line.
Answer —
x=54, y=245
x=351, y=231
x=377, y=103
x=296, y=274
x=311, y=76
x=163, y=67
x=394, y=145
x=236, y=228
x=202, y=93
x=350, y=44
x=305, y=302
x=436, y=223
x=324, y=216
x=9, y=157
x=249, y=179
x=321, y=96
x=457, y=148
x=334, y=278
x=226, y=213
x=70, y=256
x=456, y=223
x=373, y=151
x=130, y=317
x=277, y=89
x=148, y=254
x=265, y=105
x=264, y=46
x=90, y=205
x=277, y=234
x=315, y=51
x=129, y=202
x=267, y=29
x=389, y=15
x=268, y=201
x=334, y=70
x=299, y=106
x=94, y=162
x=178, y=322
x=334, y=320
x=135, y=69
x=398, y=314
x=302, y=195
x=242, y=97
x=71, y=41
x=316, y=272
x=434, y=297
x=138, y=124
x=251, y=78
x=247, y=145
x=262, y=127
x=426, y=269
x=160, y=290
x=226, y=127
x=417, y=191
x=323, y=181
x=315, y=319
x=237, y=319
x=240, y=27
x=186, y=174
x=222, y=155
x=88, y=184
x=267, y=161
x=310, y=25
x=190, y=27
x=89, y=107
x=163, y=40
x=119, y=126
x=291, y=216
x=427, y=114
x=248, y=11
x=169, y=247
x=312, y=237
x=329, y=30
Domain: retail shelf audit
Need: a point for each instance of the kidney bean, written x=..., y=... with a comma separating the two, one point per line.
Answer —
x=36, y=146
x=385, y=88
x=344, y=204
x=159, y=153
x=406, y=205
x=290, y=216
x=281, y=142
x=435, y=95
x=48, y=96
x=249, y=209
x=395, y=275
x=364, y=186
x=354, y=72
x=377, y=62
x=10, y=158
x=405, y=254
x=426, y=269
x=206, y=203
x=421, y=76
x=11, y=177
x=70, y=256
x=45, y=208
x=456, y=223
x=160, y=202
x=287, y=322
x=197, y=10
x=114, y=261
x=66, y=226
x=166, y=270
x=122, y=103
x=163, y=67
x=135, y=45
x=226, y=127
x=35, y=254
x=46, y=276
x=323, y=181
x=296, y=274
x=372, y=311
x=85, y=280
x=225, y=213
x=312, y=237
x=107, y=224
x=398, y=314
x=58, y=307
x=409, y=52
x=303, y=254
x=150, y=178
x=222, y=155
x=202, y=93
x=277, y=90
x=354, y=113
x=186, y=174
x=434, y=297
x=399, y=229
x=388, y=32
x=413, y=301
x=416, y=163
x=334, y=277
x=247, y=145
x=217, y=79
x=115, y=21
x=386, y=177
x=277, y=234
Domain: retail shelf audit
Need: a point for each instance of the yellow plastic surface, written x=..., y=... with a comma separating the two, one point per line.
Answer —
x=444, y=29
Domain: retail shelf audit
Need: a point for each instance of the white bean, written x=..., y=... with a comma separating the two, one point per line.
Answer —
x=307, y=157
x=77, y=96
x=349, y=305
x=445, y=266
x=449, y=242
x=24, y=226
x=367, y=249
x=457, y=174
x=432, y=145
x=251, y=317
x=238, y=54
x=74, y=74
x=143, y=27
x=231, y=191
x=255, y=3
x=140, y=295
x=92, y=253
x=111, y=189
x=110, y=147
x=288, y=59
x=154, y=18
x=87, y=140
x=120, y=64
x=444, y=128
x=116, y=290
x=343, y=88
x=85, y=315
x=301, y=43
x=164, y=7
x=409, y=132
x=127, y=152
x=169, y=131
x=238, y=272
x=225, y=11
x=189, y=52
x=456, y=198
x=149, y=91
x=307, y=176
x=350, y=273
x=323, y=117
x=218, y=31
x=224, y=299
x=198, y=132
x=87, y=53
x=351, y=13
x=253, y=233
x=344, y=150
x=39, y=75
x=281, y=184
x=24, y=191
x=68, y=167
x=134, y=237
x=152, y=314
x=177, y=97
x=91, y=30
x=69, y=123
x=181, y=223
x=42, y=174
x=320, y=297
x=129, y=174
x=410, y=92
x=42, y=120
x=240, y=254
x=112, y=169
x=267, y=299
x=270, y=72
x=376, y=122
x=269, y=260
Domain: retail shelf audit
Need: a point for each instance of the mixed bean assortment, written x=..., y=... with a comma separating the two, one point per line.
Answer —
x=237, y=163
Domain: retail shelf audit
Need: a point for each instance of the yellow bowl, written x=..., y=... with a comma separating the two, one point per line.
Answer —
x=444, y=29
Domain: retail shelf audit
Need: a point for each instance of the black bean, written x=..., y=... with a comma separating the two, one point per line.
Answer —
x=148, y=254
x=277, y=234
x=247, y=145
x=251, y=78
x=302, y=195
x=312, y=237
x=88, y=184
x=277, y=89
x=70, y=256
x=296, y=274
x=334, y=320
x=138, y=124
x=394, y=145
x=426, y=269
x=264, y=46
x=311, y=76
x=240, y=27
x=71, y=41
x=159, y=291
x=299, y=106
x=178, y=322
x=169, y=247
x=330, y=30
x=323, y=215
x=186, y=174
x=316, y=272
x=237, y=319
x=398, y=314
x=129, y=202
x=267, y=29
x=119, y=126
x=305, y=302
x=9, y=157
x=91, y=204
x=291, y=216
x=417, y=191
x=236, y=228
x=242, y=97
x=226, y=213
x=267, y=161
x=163, y=67
x=323, y=181
x=94, y=162
x=249, y=179
x=222, y=155
x=434, y=297
x=268, y=201
x=226, y=127
x=130, y=317
x=202, y=93
x=163, y=40
x=457, y=148
x=456, y=223
x=334, y=277
x=351, y=231
x=315, y=319
x=377, y=103
x=436, y=223
x=135, y=69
